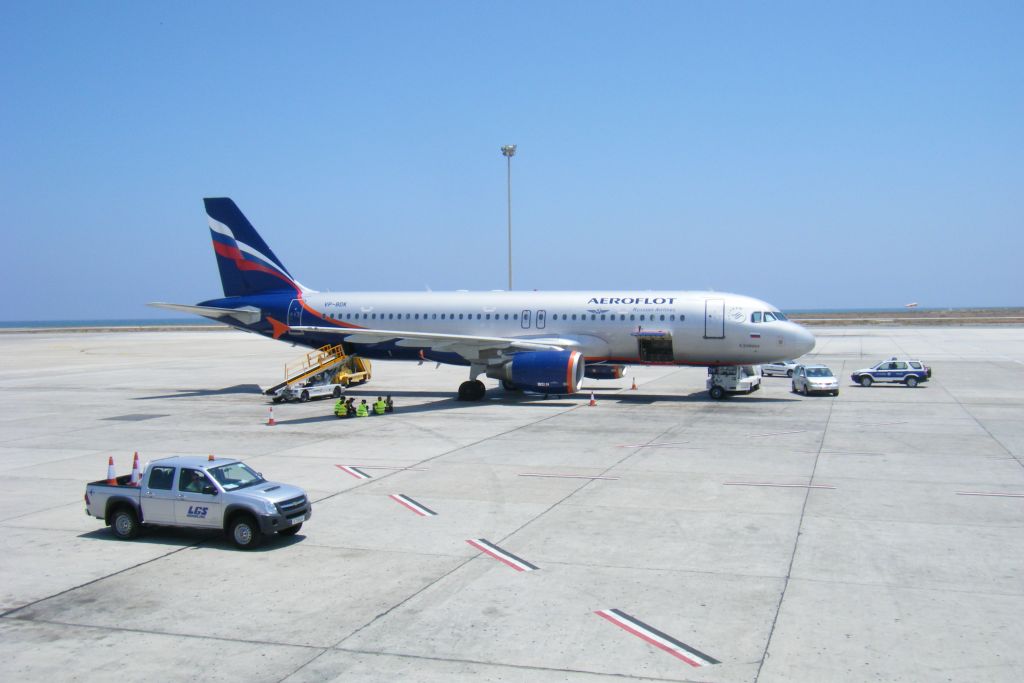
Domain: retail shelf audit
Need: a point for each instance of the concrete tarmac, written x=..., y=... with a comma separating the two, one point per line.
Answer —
x=787, y=538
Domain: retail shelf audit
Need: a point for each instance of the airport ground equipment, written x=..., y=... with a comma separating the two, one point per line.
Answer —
x=895, y=370
x=813, y=379
x=203, y=493
x=724, y=380
x=323, y=372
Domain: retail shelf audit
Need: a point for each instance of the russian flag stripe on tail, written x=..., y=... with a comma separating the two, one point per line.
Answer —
x=247, y=264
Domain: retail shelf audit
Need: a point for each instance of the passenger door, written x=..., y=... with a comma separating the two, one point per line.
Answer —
x=295, y=313
x=194, y=505
x=158, y=496
x=714, y=319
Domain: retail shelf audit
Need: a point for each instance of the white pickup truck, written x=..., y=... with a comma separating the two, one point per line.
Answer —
x=197, y=492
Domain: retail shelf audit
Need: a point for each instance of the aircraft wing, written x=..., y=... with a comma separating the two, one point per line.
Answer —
x=246, y=315
x=470, y=347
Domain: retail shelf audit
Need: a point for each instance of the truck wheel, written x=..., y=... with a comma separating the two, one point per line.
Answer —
x=789, y=373
x=865, y=381
x=290, y=531
x=125, y=523
x=244, y=532
x=717, y=393
x=336, y=393
x=911, y=381
x=304, y=396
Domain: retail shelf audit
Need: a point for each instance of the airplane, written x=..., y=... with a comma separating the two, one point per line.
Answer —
x=545, y=342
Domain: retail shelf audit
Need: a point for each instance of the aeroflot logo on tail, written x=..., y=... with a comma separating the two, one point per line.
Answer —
x=633, y=300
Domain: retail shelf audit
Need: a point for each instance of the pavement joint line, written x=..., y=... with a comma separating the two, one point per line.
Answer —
x=796, y=544
x=982, y=426
x=450, y=451
x=990, y=493
x=942, y=590
x=172, y=634
x=14, y=610
x=527, y=667
x=784, y=486
x=565, y=476
x=467, y=560
x=795, y=431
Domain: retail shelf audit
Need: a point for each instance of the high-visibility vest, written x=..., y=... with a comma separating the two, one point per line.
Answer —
x=378, y=407
x=340, y=409
x=361, y=410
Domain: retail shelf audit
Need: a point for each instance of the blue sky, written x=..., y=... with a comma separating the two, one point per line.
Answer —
x=853, y=155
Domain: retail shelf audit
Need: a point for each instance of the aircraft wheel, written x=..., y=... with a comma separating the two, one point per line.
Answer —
x=472, y=390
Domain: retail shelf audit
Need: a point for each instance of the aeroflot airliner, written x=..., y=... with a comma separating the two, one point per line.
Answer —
x=536, y=341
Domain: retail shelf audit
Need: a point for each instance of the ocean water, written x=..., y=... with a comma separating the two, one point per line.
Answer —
x=112, y=322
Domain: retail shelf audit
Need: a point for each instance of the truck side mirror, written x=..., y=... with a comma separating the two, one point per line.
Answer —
x=209, y=489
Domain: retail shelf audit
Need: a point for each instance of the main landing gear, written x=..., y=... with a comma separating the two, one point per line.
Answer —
x=472, y=390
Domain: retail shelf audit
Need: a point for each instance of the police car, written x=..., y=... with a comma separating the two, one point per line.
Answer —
x=900, y=371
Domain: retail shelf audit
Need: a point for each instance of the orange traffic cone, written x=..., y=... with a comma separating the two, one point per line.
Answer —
x=592, y=401
x=633, y=388
x=111, y=476
x=270, y=421
x=136, y=475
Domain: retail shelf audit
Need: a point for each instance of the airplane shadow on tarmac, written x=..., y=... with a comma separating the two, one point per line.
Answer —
x=192, y=393
x=448, y=402
x=193, y=538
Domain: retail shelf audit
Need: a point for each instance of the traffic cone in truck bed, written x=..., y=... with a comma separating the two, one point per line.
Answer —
x=136, y=477
x=111, y=476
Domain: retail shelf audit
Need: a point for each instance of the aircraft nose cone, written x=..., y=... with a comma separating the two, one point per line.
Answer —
x=802, y=339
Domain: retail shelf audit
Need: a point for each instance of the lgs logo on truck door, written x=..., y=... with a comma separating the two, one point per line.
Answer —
x=197, y=511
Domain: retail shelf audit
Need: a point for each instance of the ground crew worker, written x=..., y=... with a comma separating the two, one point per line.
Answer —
x=363, y=410
x=340, y=409
x=379, y=406
x=350, y=405
x=389, y=407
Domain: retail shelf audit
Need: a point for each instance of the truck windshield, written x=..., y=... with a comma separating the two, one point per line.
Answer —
x=235, y=476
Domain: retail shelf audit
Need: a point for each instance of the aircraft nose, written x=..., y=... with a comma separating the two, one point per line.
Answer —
x=801, y=339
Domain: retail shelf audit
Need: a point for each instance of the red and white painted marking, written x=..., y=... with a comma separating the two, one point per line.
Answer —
x=1000, y=494
x=676, y=648
x=354, y=471
x=652, y=445
x=781, y=486
x=419, y=508
x=566, y=476
x=517, y=563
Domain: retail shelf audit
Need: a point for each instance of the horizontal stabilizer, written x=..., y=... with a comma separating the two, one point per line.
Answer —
x=247, y=315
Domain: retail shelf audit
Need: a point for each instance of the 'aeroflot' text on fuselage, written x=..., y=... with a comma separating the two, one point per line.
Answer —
x=633, y=300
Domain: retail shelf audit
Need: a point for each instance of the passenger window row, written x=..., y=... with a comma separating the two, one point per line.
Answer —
x=506, y=316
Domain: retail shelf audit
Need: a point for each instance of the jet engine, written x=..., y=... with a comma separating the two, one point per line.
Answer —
x=550, y=372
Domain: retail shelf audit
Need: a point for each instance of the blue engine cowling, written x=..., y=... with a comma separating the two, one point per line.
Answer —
x=604, y=371
x=550, y=372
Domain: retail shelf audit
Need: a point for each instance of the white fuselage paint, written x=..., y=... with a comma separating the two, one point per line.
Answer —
x=706, y=328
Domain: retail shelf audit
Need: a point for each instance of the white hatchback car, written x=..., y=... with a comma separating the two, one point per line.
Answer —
x=809, y=379
x=782, y=367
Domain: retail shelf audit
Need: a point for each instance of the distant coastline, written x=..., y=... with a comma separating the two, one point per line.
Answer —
x=1007, y=315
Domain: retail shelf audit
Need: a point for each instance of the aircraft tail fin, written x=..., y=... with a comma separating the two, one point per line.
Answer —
x=247, y=264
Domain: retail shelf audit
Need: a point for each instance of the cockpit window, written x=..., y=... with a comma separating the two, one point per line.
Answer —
x=768, y=317
x=755, y=317
x=778, y=315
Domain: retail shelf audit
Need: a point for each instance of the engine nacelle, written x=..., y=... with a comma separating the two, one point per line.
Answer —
x=550, y=372
x=604, y=371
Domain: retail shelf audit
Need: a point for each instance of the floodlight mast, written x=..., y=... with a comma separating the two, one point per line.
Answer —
x=509, y=151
